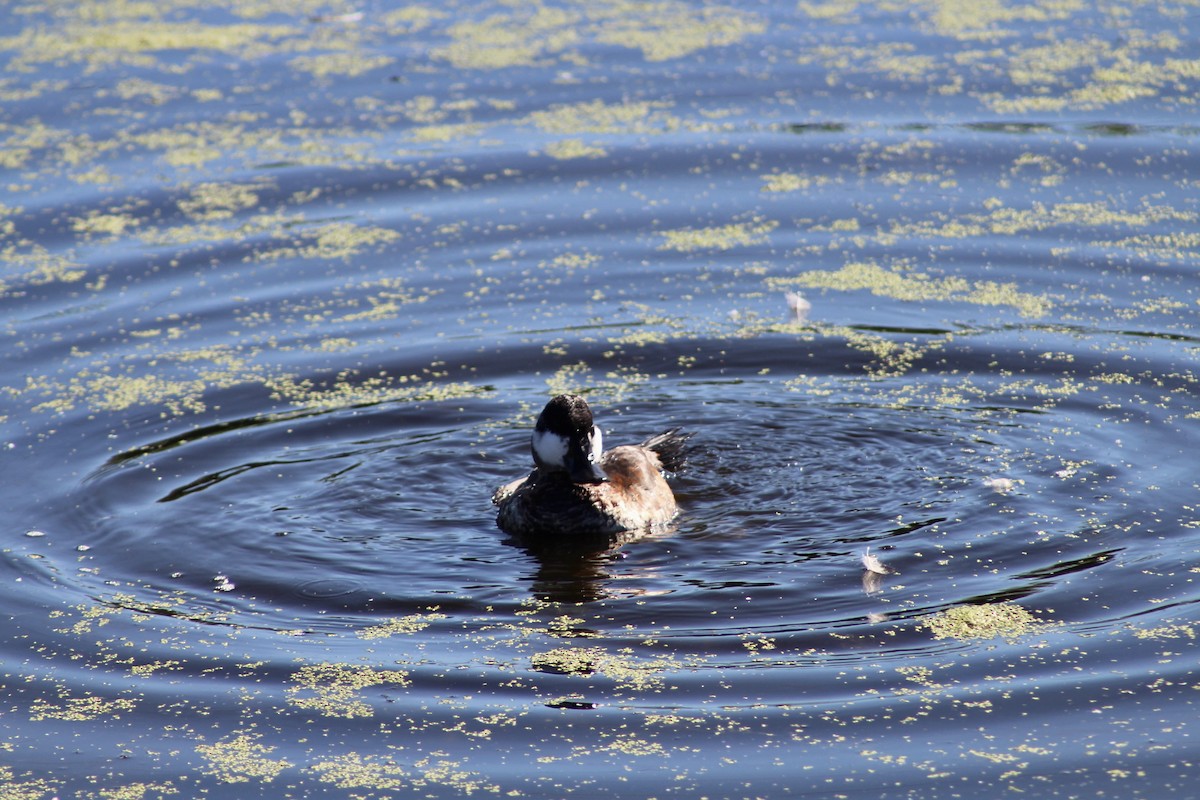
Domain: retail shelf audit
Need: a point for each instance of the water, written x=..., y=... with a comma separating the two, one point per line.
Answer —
x=285, y=286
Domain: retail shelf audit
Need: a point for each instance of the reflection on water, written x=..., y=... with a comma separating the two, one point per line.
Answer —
x=573, y=575
x=284, y=290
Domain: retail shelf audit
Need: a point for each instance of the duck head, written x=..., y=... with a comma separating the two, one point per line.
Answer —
x=566, y=439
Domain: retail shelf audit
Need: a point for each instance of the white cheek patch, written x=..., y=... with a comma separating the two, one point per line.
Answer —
x=597, y=440
x=550, y=448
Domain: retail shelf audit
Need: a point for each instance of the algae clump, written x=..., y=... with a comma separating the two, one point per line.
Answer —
x=988, y=621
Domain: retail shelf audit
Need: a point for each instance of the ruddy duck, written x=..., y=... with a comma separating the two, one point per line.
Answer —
x=578, y=490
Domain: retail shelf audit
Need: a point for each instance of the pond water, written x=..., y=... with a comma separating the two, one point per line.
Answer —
x=285, y=285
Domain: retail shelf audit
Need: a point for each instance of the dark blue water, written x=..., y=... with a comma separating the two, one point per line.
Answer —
x=284, y=289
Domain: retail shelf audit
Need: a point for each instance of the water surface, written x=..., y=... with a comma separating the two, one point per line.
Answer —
x=285, y=285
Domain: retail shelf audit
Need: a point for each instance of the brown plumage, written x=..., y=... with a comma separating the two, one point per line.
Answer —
x=561, y=499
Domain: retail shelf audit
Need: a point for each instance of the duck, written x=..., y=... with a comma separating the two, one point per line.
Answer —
x=577, y=490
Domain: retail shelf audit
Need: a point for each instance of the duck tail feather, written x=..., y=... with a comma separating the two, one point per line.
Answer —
x=671, y=447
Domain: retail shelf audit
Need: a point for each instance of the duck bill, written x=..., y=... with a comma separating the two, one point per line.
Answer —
x=588, y=473
x=580, y=468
